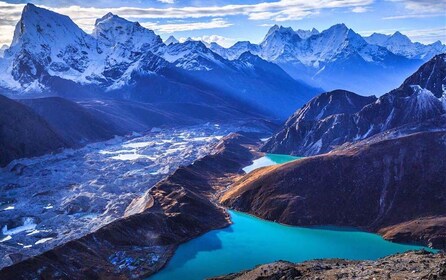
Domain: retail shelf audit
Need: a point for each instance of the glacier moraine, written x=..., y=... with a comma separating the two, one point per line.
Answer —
x=49, y=200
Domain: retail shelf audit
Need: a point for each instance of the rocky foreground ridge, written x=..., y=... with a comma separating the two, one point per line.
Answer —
x=410, y=265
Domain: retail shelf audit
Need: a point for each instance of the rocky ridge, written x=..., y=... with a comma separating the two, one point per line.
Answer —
x=410, y=265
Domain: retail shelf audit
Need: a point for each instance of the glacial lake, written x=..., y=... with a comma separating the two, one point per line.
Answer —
x=251, y=241
x=269, y=159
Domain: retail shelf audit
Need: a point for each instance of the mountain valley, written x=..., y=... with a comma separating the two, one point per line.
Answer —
x=121, y=151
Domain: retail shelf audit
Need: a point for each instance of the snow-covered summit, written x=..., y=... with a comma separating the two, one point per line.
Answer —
x=41, y=26
x=236, y=50
x=112, y=30
x=285, y=45
x=171, y=40
x=400, y=44
x=47, y=43
x=192, y=55
x=304, y=34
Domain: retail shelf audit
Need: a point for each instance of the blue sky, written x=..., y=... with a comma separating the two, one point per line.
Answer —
x=228, y=21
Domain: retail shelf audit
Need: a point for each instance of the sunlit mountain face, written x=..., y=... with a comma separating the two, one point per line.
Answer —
x=134, y=133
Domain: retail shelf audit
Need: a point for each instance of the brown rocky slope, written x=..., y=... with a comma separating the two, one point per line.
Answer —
x=371, y=185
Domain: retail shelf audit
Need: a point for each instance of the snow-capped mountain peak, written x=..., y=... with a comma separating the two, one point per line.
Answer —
x=304, y=34
x=280, y=33
x=279, y=44
x=236, y=50
x=41, y=26
x=192, y=55
x=47, y=43
x=112, y=30
x=273, y=29
x=400, y=44
x=400, y=37
x=171, y=40
x=338, y=35
x=377, y=39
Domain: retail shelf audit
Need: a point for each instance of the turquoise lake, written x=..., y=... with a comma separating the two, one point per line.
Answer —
x=269, y=159
x=250, y=241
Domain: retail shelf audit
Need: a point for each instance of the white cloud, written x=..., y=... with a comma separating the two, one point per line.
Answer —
x=9, y=15
x=279, y=10
x=424, y=6
x=166, y=1
x=359, y=10
x=187, y=26
x=405, y=16
x=266, y=24
x=420, y=9
x=427, y=35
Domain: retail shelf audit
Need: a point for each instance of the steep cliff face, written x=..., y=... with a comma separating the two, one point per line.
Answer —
x=419, y=98
x=370, y=184
x=175, y=210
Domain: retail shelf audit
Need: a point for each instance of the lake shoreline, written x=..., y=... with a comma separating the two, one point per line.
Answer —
x=185, y=257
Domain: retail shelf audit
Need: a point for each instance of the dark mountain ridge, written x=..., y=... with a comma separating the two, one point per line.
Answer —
x=23, y=133
x=418, y=99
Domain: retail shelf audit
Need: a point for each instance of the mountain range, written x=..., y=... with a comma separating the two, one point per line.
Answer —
x=383, y=172
x=374, y=162
x=337, y=117
x=51, y=55
x=400, y=44
x=339, y=58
